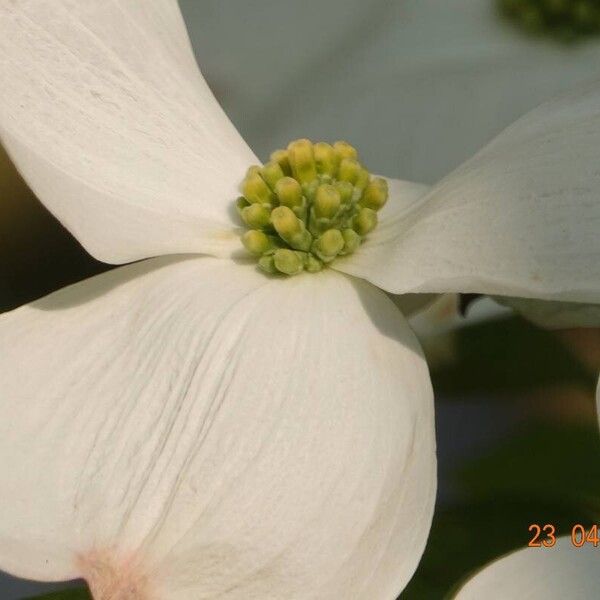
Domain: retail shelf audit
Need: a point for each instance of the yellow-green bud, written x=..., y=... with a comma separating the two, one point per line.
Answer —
x=257, y=242
x=255, y=189
x=349, y=170
x=282, y=159
x=326, y=159
x=285, y=221
x=271, y=173
x=362, y=179
x=256, y=216
x=267, y=264
x=241, y=203
x=312, y=264
x=291, y=228
x=310, y=189
x=365, y=221
x=327, y=201
x=375, y=194
x=288, y=261
x=289, y=192
x=328, y=245
x=302, y=160
x=345, y=150
x=351, y=241
x=345, y=189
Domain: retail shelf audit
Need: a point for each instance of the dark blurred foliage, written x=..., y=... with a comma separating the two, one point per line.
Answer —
x=565, y=20
x=76, y=594
x=508, y=357
x=37, y=255
x=547, y=473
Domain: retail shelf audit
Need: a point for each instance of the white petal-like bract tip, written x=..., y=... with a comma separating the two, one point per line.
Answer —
x=562, y=571
x=521, y=218
x=104, y=112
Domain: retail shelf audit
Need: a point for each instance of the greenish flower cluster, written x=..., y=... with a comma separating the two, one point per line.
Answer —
x=568, y=20
x=308, y=205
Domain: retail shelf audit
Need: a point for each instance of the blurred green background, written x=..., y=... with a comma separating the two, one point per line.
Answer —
x=417, y=86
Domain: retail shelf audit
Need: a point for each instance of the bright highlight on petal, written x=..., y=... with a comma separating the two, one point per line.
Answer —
x=521, y=218
x=196, y=429
x=106, y=115
x=562, y=571
x=309, y=205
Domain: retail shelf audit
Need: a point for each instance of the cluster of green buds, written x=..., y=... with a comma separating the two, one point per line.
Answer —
x=308, y=205
x=564, y=19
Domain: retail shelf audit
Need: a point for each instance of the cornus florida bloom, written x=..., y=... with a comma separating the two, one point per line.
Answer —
x=189, y=426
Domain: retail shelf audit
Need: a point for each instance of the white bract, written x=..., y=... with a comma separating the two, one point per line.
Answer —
x=187, y=427
x=561, y=571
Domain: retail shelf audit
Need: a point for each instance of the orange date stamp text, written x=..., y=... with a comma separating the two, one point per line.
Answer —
x=544, y=536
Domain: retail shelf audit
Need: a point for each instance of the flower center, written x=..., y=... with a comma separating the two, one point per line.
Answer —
x=564, y=19
x=308, y=205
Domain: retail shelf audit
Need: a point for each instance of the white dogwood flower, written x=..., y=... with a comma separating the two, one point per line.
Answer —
x=189, y=427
